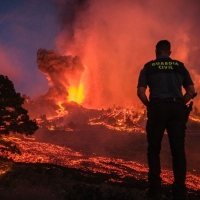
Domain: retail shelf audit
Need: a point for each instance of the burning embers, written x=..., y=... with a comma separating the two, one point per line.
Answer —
x=34, y=152
x=68, y=116
x=122, y=119
x=64, y=74
x=117, y=118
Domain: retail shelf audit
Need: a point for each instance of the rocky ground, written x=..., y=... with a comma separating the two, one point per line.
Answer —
x=22, y=181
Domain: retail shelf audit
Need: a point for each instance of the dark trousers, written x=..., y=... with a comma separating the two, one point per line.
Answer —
x=170, y=116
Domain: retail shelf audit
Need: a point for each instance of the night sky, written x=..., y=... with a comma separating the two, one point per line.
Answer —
x=26, y=26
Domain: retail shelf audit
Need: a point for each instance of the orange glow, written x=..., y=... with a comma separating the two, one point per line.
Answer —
x=61, y=112
x=38, y=152
x=76, y=94
x=60, y=105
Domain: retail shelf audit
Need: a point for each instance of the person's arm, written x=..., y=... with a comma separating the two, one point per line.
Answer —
x=141, y=93
x=189, y=93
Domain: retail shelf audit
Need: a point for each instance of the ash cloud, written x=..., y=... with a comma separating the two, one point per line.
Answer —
x=68, y=16
x=115, y=38
x=61, y=71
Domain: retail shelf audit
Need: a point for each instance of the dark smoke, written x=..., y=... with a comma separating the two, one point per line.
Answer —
x=60, y=71
x=68, y=14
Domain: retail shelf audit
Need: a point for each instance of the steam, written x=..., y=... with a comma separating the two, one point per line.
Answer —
x=115, y=38
x=61, y=71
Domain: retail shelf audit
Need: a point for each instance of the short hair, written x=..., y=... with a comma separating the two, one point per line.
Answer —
x=163, y=45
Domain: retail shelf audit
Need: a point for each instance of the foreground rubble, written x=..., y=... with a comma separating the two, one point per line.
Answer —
x=47, y=181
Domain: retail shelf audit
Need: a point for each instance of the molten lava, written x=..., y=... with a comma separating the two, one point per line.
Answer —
x=60, y=105
x=34, y=152
x=76, y=94
x=122, y=119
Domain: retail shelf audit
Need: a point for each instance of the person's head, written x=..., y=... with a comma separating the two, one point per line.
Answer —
x=163, y=48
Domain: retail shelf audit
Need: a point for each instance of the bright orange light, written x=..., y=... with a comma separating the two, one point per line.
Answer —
x=76, y=94
x=60, y=105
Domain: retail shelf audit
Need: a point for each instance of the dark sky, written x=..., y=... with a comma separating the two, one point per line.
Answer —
x=26, y=26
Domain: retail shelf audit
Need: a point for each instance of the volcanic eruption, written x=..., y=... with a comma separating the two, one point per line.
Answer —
x=90, y=118
x=64, y=74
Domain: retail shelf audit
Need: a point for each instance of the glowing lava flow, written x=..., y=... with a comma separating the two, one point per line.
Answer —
x=76, y=94
x=61, y=111
x=33, y=152
x=60, y=105
x=194, y=118
x=121, y=119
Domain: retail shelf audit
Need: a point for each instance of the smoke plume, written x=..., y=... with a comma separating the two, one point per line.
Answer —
x=61, y=71
x=114, y=39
